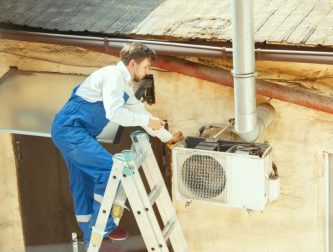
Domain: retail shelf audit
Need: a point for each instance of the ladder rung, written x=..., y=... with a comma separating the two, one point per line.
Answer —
x=153, y=195
x=168, y=228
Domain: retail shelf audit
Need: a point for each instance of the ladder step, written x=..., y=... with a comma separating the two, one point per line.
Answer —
x=168, y=228
x=153, y=195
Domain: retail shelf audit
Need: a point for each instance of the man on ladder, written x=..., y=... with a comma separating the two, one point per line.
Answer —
x=106, y=95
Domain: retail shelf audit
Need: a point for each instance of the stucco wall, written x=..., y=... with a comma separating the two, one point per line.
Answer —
x=298, y=135
x=11, y=238
x=35, y=57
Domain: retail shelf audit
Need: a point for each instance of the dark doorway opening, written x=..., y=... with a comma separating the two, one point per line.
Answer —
x=45, y=198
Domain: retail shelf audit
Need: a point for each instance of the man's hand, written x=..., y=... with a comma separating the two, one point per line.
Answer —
x=177, y=137
x=156, y=123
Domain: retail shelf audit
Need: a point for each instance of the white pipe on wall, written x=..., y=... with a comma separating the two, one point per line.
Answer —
x=246, y=121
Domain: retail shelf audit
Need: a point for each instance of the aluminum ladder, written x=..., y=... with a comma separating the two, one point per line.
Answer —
x=125, y=181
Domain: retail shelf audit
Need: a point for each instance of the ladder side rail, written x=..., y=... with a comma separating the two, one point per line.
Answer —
x=154, y=177
x=131, y=158
x=75, y=243
x=98, y=231
x=138, y=207
x=150, y=212
x=163, y=202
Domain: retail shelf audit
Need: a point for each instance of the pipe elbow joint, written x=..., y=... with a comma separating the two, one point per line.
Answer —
x=265, y=116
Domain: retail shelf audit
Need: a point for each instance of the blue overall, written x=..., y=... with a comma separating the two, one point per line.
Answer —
x=74, y=132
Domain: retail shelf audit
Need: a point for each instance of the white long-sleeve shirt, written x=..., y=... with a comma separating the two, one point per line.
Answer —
x=113, y=86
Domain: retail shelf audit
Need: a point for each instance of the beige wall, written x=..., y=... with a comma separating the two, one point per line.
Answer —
x=312, y=76
x=11, y=238
x=298, y=135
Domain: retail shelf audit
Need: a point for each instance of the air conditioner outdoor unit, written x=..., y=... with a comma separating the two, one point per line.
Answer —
x=234, y=174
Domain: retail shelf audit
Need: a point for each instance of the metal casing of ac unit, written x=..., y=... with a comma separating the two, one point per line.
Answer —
x=236, y=179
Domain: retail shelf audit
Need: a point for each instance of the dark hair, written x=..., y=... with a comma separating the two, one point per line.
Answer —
x=136, y=51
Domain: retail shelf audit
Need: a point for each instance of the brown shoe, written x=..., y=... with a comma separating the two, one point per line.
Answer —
x=118, y=234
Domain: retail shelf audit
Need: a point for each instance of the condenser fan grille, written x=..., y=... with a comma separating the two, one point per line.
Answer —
x=202, y=176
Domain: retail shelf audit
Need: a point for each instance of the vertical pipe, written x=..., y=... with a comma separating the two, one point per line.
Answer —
x=244, y=68
x=246, y=121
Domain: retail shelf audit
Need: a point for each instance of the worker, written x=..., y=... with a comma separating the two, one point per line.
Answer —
x=104, y=96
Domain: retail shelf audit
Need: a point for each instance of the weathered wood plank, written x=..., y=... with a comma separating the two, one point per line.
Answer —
x=84, y=16
x=39, y=10
x=323, y=32
x=152, y=25
x=46, y=14
x=105, y=14
x=18, y=11
x=122, y=15
x=131, y=13
x=59, y=14
x=275, y=20
x=294, y=22
x=264, y=17
x=109, y=16
x=310, y=22
x=195, y=19
x=7, y=9
x=128, y=20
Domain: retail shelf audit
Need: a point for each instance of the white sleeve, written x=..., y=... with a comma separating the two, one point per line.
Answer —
x=113, y=100
x=136, y=106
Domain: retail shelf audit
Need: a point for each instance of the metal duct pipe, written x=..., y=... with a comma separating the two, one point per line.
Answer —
x=115, y=44
x=300, y=96
x=246, y=123
x=167, y=48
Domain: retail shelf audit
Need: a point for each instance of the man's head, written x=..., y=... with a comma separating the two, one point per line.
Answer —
x=137, y=58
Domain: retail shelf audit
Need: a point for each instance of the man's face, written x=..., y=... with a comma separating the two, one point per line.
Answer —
x=141, y=69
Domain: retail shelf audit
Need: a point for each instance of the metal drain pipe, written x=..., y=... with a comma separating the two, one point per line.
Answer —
x=247, y=124
x=301, y=96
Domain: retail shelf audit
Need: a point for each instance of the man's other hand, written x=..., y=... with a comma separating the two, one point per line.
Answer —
x=156, y=123
x=177, y=137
